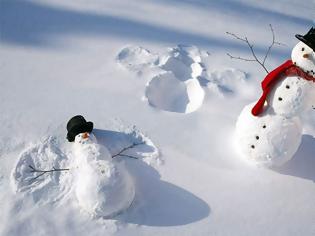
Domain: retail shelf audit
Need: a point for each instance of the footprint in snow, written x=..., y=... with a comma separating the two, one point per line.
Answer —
x=182, y=79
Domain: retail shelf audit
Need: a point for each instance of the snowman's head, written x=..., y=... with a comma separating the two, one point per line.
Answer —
x=85, y=138
x=304, y=57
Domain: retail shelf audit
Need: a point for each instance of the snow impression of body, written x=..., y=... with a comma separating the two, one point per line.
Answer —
x=178, y=76
x=42, y=156
x=269, y=132
x=87, y=171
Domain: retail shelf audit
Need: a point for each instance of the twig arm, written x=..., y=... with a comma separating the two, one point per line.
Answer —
x=120, y=153
x=42, y=172
x=251, y=47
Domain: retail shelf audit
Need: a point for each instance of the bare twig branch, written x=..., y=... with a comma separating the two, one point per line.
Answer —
x=240, y=58
x=251, y=47
x=237, y=37
x=42, y=172
x=120, y=153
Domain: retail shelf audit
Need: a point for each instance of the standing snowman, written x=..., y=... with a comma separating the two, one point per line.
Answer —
x=269, y=132
x=103, y=187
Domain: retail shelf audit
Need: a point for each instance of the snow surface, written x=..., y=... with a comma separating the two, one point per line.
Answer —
x=60, y=58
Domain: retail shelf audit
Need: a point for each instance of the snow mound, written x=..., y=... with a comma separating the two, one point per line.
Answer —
x=176, y=87
x=184, y=61
x=49, y=187
x=168, y=93
x=136, y=58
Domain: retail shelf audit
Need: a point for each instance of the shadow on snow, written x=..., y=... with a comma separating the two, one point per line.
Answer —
x=157, y=202
x=303, y=163
x=33, y=24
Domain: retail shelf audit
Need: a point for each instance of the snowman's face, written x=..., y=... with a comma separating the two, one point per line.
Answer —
x=291, y=96
x=304, y=57
x=85, y=138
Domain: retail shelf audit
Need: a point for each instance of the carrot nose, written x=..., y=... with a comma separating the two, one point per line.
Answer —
x=85, y=135
x=306, y=55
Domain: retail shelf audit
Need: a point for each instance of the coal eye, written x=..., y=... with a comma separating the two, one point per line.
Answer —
x=287, y=86
x=303, y=49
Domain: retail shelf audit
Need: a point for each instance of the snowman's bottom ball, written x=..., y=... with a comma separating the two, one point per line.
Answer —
x=104, y=188
x=268, y=140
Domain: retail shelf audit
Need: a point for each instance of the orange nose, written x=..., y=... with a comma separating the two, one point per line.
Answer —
x=306, y=55
x=85, y=135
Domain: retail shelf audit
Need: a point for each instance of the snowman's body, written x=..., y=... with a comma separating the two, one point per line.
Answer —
x=273, y=137
x=267, y=140
x=103, y=187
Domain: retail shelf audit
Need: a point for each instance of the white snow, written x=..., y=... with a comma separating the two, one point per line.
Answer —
x=292, y=97
x=60, y=58
x=166, y=92
x=176, y=87
x=103, y=187
x=135, y=58
x=268, y=140
x=42, y=156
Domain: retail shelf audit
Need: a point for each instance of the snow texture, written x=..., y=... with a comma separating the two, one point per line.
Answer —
x=43, y=156
x=268, y=140
x=182, y=77
x=60, y=58
x=176, y=88
x=291, y=97
x=103, y=186
x=136, y=58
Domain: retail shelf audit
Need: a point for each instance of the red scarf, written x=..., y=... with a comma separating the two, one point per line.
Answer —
x=287, y=69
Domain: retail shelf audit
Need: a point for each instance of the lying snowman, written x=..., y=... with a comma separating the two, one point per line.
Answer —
x=269, y=132
x=103, y=187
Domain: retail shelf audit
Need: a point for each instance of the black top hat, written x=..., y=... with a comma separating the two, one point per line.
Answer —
x=77, y=125
x=308, y=39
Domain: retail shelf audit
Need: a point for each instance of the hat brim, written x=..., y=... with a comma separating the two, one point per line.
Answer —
x=86, y=127
x=301, y=38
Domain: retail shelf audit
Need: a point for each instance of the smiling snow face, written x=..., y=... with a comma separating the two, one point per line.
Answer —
x=304, y=57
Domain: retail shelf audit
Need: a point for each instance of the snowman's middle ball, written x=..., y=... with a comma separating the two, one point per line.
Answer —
x=291, y=96
x=269, y=139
